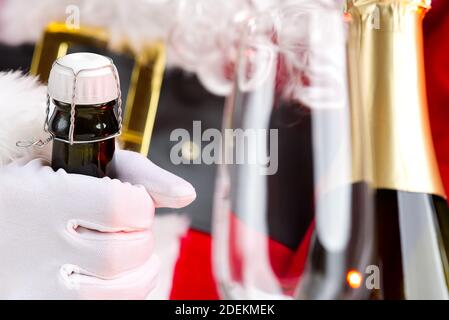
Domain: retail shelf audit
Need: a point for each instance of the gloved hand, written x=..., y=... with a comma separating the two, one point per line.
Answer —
x=68, y=236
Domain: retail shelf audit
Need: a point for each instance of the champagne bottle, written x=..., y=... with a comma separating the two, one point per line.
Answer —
x=84, y=89
x=412, y=216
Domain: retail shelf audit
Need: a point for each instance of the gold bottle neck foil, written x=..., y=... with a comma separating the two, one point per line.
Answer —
x=411, y=4
x=386, y=67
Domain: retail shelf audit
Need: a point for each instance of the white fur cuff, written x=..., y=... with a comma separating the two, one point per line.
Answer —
x=22, y=115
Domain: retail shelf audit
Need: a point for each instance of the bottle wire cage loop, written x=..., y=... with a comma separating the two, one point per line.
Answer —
x=71, y=140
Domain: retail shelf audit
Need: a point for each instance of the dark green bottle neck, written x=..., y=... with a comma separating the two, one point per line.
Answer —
x=92, y=122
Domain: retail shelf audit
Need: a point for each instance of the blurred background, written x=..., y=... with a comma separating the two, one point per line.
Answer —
x=200, y=39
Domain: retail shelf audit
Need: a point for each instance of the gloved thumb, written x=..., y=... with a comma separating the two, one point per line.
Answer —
x=166, y=189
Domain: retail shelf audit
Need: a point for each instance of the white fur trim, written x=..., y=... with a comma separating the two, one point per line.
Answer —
x=138, y=21
x=22, y=114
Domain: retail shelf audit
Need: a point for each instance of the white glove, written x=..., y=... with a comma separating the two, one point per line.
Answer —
x=166, y=189
x=68, y=236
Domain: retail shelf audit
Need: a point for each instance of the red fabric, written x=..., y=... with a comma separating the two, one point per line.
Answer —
x=193, y=273
x=436, y=44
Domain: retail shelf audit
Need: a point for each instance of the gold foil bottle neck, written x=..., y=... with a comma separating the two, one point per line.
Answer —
x=425, y=4
x=386, y=50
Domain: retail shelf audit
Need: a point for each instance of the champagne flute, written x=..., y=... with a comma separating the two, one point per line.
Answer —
x=293, y=211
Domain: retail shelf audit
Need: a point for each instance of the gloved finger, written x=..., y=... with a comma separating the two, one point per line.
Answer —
x=106, y=205
x=136, y=284
x=108, y=255
x=166, y=189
